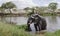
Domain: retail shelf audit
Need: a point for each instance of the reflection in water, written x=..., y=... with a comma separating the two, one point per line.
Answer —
x=17, y=20
x=52, y=19
x=53, y=22
x=2, y=19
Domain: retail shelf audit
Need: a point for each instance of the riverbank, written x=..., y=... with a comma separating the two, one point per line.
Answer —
x=12, y=30
x=19, y=30
x=27, y=14
x=56, y=33
x=48, y=14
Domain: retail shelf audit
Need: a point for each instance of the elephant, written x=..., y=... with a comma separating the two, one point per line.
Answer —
x=38, y=22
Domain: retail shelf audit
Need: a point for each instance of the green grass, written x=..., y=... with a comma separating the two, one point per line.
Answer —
x=56, y=33
x=12, y=30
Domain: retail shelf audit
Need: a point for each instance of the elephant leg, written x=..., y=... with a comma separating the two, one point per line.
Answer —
x=29, y=29
x=39, y=27
x=35, y=25
x=43, y=27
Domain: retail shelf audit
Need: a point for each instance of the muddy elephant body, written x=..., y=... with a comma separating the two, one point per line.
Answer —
x=38, y=22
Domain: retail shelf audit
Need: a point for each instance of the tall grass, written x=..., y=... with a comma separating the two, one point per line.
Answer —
x=12, y=30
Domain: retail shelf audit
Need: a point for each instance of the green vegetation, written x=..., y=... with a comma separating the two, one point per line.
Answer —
x=8, y=5
x=50, y=9
x=24, y=27
x=49, y=14
x=12, y=30
x=57, y=33
x=53, y=6
x=46, y=14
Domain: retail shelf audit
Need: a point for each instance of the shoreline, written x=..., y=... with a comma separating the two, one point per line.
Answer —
x=19, y=30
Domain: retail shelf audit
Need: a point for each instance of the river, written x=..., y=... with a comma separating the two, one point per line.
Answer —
x=53, y=22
